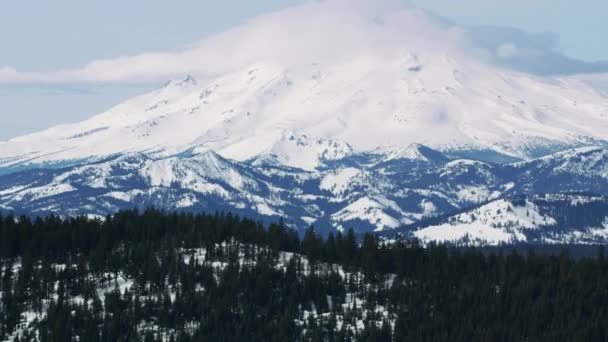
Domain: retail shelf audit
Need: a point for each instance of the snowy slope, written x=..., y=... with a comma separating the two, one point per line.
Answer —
x=541, y=219
x=582, y=161
x=379, y=212
x=363, y=78
x=356, y=191
x=494, y=223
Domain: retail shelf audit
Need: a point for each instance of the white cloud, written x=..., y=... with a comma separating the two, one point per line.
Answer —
x=8, y=73
x=320, y=30
x=312, y=32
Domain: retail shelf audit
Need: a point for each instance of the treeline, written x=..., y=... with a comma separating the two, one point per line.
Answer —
x=235, y=290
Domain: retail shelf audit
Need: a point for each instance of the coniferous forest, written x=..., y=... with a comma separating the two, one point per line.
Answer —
x=154, y=276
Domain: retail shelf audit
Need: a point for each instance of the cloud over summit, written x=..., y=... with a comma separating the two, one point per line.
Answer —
x=312, y=32
x=320, y=31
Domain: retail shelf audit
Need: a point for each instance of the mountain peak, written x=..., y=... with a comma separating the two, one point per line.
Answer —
x=187, y=82
x=415, y=152
x=303, y=151
x=360, y=73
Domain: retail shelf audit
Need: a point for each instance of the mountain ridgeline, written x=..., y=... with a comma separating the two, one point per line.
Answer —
x=417, y=191
x=152, y=276
x=379, y=132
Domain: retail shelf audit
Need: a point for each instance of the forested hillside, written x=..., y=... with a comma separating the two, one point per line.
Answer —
x=154, y=276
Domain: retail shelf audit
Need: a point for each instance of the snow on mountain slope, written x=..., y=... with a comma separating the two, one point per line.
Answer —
x=414, y=152
x=497, y=222
x=578, y=170
x=553, y=219
x=468, y=181
x=379, y=212
x=352, y=192
x=591, y=160
x=338, y=182
x=302, y=152
x=342, y=74
x=205, y=181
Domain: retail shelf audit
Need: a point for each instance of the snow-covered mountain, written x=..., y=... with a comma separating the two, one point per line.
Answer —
x=320, y=79
x=539, y=219
x=334, y=113
x=361, y=191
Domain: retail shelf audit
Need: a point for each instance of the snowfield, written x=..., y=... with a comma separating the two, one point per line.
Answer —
x=306, y=96
x=495, y=223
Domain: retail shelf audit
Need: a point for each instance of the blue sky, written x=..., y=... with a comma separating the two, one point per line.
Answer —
x=581, y=25
x=45, y=36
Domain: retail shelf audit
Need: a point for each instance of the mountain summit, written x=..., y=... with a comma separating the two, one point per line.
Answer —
x=353, y=73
